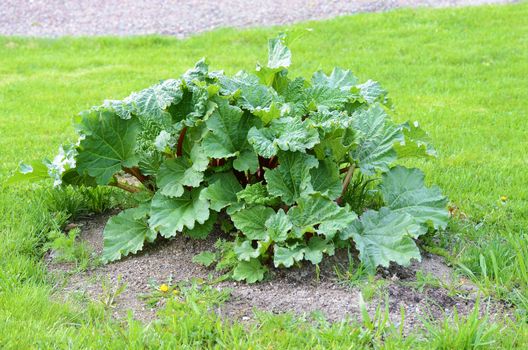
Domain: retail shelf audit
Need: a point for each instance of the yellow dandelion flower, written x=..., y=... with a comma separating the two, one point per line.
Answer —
x=175, y=292
x=164, y=288
x=504, y=198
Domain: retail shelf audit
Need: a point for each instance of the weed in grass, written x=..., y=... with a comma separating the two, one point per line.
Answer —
x=66, y=247
x=111, y=291
x=353, y=274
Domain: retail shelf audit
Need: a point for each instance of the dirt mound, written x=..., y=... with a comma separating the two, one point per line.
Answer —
x=299, y=290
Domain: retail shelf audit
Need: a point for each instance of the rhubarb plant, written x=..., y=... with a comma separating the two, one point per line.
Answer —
x=271, y=154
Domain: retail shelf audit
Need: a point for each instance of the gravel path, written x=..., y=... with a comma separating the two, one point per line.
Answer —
x=179, y=17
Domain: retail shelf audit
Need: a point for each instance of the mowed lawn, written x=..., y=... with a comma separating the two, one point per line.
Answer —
x=462, y=73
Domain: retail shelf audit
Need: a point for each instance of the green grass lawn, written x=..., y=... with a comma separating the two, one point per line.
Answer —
x=462, y=73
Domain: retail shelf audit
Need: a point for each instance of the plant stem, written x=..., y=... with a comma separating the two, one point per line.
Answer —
x=123, y=186
x=136, y=173
x=179, y=149
x=346, y=182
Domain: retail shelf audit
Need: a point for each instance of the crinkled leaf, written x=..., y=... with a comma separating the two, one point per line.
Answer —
x=250, y=271
x=177, y=173
x=153, y=101
x=417, y=142
x=404, y=191
x=316, y=247
x=339, y=79
x=375, y=140
x=278, y=54
x=329, y=121
x=193, y=105
x=250, y=94
x=287, y=256
x=316, y=213
x=295, y=95
x=325, y=179
x=287, y=134
x=252, y=221
x=222, y=191
x=372, y=92
x=125, y=233
x=278, y=226
x=171, y=215
x=109, y=144
x=291, y=179
x=198, y=72
x=256, y=98
x=326, y=97
x=123, y=109
x=257, y=194
x=227, y=136
x=382, y=237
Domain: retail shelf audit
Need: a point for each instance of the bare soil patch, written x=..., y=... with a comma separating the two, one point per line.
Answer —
x=297, y=290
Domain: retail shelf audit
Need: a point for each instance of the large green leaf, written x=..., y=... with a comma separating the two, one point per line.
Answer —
x=222, y=191
x=316, y=247
x=201, y=231
x=335, y=145
x=287, y=134
x=372, y=92
x=177, y=173
x=153, y=101
x=278, y=226
x=329, y=121
x=339, y=79
x=317, y=213
x=323, y=97
x=123, y=109
x=228, y=127
x=249, y=93
x=404, y=191
x=72, y=177
x=267, y=114
x=287, y=256
x=325, y=179
x=171, y=215
x=257, y=194
x=108, y=145
x=295, y=95
x=245, y=251
x=375, y=140
x=417, y=142
x=125, y=233
x=250, y=271
x=291, y=179
x=227, y=136
x=247, y=160
x=252, y=221
x=384, y=236
x=279, y=55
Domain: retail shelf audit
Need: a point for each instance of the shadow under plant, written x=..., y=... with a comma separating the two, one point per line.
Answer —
x=339, y=289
